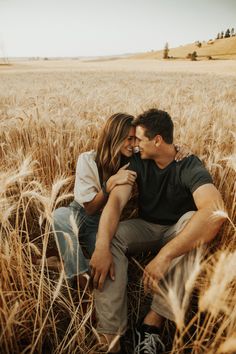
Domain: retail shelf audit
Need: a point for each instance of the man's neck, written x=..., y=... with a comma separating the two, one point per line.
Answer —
x=166, y=156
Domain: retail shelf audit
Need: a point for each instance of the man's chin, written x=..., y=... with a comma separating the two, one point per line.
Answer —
x=143, y=156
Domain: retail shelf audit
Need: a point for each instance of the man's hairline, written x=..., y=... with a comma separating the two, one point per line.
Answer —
x=145, y=130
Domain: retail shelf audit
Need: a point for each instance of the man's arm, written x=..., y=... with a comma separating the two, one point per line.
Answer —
x=201, y=228
x=123, y=176
x=102, y=262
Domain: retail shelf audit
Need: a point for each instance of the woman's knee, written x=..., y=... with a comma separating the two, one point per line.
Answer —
x=61, y=216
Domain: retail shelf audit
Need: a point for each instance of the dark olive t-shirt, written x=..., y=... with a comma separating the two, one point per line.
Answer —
x=166, y=194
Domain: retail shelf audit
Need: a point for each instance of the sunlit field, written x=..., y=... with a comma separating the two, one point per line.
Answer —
x=48, y=116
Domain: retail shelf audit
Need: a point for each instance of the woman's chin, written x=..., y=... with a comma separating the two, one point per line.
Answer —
x=128, y=153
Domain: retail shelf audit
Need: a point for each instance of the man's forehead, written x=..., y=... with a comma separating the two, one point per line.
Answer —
x=140, y=131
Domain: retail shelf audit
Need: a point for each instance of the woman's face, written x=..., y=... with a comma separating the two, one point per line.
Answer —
x=128, y=144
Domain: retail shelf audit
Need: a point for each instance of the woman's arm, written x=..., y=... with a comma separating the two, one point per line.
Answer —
x=96, y=204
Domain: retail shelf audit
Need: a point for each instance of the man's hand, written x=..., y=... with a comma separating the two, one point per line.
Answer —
x=101, y=264
x=154, y=271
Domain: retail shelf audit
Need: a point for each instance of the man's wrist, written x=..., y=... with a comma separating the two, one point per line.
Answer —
x=165, y=254
x=102, y=244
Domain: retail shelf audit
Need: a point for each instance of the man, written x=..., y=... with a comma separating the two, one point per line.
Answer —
x=176, y=201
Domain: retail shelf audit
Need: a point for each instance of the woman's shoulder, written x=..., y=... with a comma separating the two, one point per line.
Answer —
x=87, y=156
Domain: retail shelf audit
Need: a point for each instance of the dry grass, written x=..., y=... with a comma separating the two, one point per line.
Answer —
x=47, y=118
x=224, y=48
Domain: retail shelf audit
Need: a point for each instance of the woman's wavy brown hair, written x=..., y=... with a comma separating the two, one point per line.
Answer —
x=114, y=132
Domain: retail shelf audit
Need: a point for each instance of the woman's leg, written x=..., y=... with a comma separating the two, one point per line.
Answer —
x=88, y=232
x=66, y=225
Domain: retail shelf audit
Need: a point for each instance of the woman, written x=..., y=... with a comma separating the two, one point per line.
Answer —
x=97, y=173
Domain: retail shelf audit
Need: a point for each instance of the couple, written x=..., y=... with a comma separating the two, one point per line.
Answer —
x=175, y=203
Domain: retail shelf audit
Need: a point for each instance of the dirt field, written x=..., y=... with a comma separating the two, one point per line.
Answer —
x=218, y=67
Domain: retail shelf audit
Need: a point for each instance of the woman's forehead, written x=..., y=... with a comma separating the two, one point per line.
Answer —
x=132, y=131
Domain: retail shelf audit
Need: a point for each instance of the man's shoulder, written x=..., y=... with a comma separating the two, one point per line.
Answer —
x=191, y=162
x=191, y=165
x=136, y=163
x=193, y=173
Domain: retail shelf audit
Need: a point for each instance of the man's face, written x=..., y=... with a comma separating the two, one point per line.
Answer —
x=147, y=147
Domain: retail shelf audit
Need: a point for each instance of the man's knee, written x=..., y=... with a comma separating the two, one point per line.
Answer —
x=178, y=227
x=181, y=223
x=121, y=238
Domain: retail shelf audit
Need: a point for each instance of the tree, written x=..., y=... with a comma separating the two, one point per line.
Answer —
x=232, y=32
x=194, y=56
x=222, y=35
x=218, y=36
x=166, y=51
x=227, y=33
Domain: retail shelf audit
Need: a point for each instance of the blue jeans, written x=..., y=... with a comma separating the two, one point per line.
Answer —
x=75, y=234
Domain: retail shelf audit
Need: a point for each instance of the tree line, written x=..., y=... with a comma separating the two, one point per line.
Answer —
x=228, y=33
x=193, y=56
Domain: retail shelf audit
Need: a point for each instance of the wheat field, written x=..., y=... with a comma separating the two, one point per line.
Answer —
x=48, y=116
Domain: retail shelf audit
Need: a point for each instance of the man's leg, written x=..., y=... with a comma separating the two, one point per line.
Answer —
x=160, y=309
x=149, y=333
x=132, y=237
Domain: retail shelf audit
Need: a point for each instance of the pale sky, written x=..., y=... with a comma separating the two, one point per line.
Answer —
x=55, y=28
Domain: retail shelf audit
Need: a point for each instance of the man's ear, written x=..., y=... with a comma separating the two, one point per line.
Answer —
x=158, y=140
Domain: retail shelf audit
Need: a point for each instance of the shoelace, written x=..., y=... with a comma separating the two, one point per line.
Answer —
x=148, y=345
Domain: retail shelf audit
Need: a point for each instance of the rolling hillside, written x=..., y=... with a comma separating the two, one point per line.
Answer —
x=224, y=48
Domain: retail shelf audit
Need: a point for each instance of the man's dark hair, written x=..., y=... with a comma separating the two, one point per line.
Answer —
x=156, y=122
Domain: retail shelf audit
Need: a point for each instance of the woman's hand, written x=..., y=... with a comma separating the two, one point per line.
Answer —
x=123, y=176
x=182, y=151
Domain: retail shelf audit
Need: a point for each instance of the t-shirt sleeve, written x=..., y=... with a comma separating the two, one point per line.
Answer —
x=135, y=164
x=87, y=183
x=194, y=174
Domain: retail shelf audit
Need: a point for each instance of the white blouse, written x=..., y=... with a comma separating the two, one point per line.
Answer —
x=87, y=183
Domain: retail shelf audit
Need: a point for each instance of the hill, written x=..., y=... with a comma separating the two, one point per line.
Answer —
x=224, y=48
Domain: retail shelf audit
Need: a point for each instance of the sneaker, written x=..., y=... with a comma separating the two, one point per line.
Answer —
x=149, y=340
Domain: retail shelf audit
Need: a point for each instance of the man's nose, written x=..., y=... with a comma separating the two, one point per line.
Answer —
x=136, y=145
